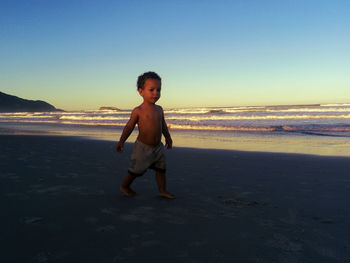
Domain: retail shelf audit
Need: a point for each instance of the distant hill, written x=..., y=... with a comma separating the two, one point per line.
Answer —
x=9, y=103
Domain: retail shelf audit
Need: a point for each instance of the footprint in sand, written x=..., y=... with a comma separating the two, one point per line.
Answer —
x=130, y=218
x=107, y=228
x=327, y=221
x=58, y=175
x=239, y=202
x=32, y=220
x=108, y=211
x=128, y=249
x=172, y=219
x=144, y=214
x=150, y=243
x=134, y=236
x=42, y=257
x=53, y=190
x=91, y=220
x=118, y=258
x=323, y=220
x=20, y=196
x=198, y=243
x=48, y=256
x=282, y=242
x=73, y=175
x=7, y=175
x=326, y=252
x=181, y=254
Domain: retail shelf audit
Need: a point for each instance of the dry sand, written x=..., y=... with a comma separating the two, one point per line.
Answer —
x=60, y=203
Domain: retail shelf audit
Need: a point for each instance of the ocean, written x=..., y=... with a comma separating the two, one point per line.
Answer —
x=322, y=129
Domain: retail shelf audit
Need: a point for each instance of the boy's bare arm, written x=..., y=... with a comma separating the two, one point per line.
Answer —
x=129, y=127
x=165, y=131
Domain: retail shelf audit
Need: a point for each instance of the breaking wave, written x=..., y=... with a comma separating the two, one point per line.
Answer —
x=324, y=120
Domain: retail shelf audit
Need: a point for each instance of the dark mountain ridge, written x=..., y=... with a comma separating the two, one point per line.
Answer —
x=10, y=103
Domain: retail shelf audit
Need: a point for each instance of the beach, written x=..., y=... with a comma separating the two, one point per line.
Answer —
x=60, y=202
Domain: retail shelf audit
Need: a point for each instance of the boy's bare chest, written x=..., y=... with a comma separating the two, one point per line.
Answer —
x=151, y=117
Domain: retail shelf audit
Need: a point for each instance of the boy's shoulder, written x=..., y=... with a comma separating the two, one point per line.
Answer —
x=159, y=107
x=138, y=108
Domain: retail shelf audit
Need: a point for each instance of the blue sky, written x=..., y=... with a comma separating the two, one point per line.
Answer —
x=87, y=54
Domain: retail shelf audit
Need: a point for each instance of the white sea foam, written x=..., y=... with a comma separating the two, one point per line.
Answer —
x=313, y=118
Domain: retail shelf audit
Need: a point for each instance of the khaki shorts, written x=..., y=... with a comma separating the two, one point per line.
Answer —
x=146, y=156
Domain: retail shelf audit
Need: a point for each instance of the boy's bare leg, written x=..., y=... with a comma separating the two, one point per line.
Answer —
x=161, y=181
x=125, y=187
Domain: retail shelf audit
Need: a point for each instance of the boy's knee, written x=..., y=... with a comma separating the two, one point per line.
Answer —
x=134, y=174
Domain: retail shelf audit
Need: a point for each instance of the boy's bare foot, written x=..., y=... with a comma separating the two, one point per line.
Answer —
x=127, y=191
x=166, y=195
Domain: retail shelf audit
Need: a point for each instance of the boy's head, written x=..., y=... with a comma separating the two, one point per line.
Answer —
x=147, y=75
x=149, y=86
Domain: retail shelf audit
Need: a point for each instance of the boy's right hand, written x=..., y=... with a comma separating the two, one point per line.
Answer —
x=119, y=147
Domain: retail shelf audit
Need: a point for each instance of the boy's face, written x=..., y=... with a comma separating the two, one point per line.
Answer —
x=151, y=90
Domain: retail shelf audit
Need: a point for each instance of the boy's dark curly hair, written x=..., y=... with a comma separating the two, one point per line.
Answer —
x=147, y=75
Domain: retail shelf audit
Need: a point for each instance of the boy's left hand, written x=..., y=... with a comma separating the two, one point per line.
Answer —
x=119, y=147
x=168, y=143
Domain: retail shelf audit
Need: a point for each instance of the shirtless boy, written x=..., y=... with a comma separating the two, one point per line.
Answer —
x=148, y=149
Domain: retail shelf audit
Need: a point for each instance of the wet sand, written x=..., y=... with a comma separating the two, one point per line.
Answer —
x=60, y=202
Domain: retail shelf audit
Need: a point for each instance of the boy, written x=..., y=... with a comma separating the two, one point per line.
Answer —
x=148, y=149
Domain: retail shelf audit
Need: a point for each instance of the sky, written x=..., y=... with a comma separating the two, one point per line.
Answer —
x=81, y=55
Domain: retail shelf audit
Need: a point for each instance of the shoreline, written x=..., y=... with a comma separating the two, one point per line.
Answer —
x=61, y=203
x=185, y=140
